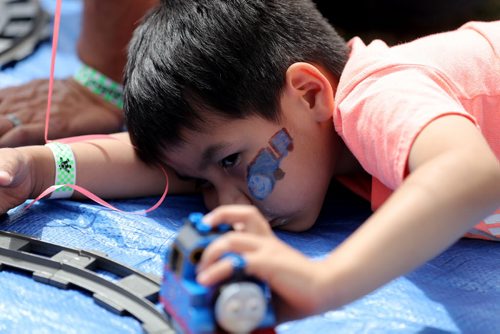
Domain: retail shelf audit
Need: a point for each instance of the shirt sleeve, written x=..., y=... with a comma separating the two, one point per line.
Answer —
x=383, y=114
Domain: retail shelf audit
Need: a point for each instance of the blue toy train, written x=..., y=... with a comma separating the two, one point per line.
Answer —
x=241, y=304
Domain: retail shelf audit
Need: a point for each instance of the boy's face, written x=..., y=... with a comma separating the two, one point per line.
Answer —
x=284, y=168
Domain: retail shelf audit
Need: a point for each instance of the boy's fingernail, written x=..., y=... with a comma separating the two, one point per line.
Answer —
x=202, y=278
x=207, y=219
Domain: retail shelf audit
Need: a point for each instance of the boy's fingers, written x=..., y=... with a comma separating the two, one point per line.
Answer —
x=9, y=166
x=243, y=217
x=216, y=272
x=225, y=267
x=5, y=178
x=233, y=242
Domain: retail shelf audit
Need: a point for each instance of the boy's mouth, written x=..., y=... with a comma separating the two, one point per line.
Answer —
x=278, y=222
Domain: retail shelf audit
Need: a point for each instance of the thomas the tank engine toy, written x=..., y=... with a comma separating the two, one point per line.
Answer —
x=241, y=304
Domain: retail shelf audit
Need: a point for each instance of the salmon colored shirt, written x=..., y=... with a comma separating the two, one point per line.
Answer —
x=387, y=95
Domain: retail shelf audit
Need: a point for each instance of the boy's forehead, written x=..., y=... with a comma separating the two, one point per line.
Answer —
x=196, y=151
x=217, y=134
x=206, y=134
x=219, y=129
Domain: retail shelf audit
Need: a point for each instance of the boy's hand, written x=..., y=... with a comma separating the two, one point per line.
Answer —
x=296, y=280
x=75, y=111
x=16, y=181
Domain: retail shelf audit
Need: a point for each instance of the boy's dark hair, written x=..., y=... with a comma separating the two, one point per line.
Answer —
x=226, y=57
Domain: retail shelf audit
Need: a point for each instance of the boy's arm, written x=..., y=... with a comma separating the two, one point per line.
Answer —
x=454, y=182
x=107, y=167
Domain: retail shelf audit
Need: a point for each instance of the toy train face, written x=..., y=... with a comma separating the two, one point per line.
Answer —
x=241, y=304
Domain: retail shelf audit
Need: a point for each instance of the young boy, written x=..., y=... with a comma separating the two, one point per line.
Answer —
x=260, y=102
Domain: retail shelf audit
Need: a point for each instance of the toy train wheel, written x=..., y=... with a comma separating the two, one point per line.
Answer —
x=240, y=307
x=23, y=24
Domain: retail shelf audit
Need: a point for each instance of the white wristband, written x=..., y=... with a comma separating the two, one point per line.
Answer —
x=65, y=169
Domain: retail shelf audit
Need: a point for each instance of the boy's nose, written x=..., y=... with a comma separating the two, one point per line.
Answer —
x=233, y=195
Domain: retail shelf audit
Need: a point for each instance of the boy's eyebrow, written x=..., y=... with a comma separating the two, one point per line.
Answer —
x=209, y=153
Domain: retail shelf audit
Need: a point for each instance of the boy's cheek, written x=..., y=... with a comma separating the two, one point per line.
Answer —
x=260, y=176
x=210, y=199
x=264, y=170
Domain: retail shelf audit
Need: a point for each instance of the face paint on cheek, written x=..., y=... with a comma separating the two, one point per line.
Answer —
x=264, y=170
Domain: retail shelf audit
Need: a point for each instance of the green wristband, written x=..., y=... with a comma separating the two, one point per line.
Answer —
x=65, y=169
x=100, y=84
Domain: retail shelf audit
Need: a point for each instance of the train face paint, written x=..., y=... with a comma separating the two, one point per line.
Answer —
x=264, y=170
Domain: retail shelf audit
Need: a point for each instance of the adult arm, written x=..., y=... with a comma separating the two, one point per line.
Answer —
x=107, y=27
x=106, y=30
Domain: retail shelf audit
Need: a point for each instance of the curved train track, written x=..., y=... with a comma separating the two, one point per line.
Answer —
x=134, y=293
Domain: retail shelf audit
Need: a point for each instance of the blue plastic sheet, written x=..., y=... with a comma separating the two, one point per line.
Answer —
x=457, y=292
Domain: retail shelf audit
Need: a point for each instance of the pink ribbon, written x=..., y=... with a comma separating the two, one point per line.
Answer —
x=83, y=191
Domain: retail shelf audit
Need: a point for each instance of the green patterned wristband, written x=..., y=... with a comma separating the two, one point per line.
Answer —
x=100, y=84
x=65, y=169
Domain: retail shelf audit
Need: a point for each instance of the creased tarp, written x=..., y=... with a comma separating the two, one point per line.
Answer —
x=457, y=292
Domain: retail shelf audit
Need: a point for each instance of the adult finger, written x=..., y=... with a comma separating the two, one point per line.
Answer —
x=28, y=134
x=25, y=107
x=242, y=217
x=27, y=111
x=5, y=125
x=20, y=93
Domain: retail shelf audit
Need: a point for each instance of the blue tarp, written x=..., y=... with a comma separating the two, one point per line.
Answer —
x=457, y=292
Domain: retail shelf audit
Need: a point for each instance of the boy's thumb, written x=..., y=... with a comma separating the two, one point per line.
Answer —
x=5, y=178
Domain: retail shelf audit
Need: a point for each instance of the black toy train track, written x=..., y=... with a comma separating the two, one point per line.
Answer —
x=23, y=24
x=134, y=293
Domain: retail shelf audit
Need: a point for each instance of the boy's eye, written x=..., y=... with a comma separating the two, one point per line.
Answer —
x=230, y=161
x=199, y=183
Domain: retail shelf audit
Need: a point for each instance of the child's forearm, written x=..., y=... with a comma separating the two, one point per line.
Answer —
x=107, y=167
x=411, y=228
x=440, y=201
x=111, y=169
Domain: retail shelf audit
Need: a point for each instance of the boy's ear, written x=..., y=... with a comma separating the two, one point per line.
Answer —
x=308, y=83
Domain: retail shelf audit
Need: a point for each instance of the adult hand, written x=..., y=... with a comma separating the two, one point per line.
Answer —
x=296, y=281
x=75, y=111
x=16, y=181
